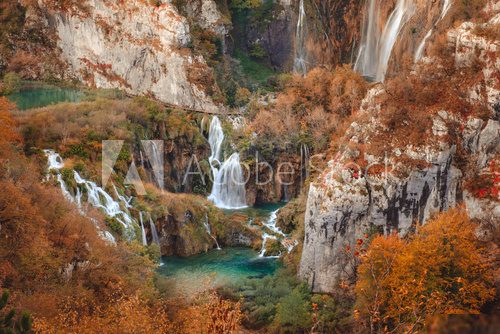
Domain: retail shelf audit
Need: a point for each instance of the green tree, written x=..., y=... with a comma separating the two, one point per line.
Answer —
x=294, y=311
x=245, y=4
x=8, y=322
x=11, y=83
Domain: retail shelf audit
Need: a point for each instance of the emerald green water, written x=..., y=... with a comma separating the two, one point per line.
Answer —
x=228, y=266
x=42, y=97
x=214, y=268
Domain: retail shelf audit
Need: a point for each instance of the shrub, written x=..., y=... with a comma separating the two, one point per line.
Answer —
x=11, y=83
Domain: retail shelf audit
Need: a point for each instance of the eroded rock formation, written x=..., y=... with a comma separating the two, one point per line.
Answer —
x=413, y=182
x=136, y=46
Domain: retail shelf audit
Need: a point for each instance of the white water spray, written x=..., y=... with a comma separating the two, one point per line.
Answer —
x=55, y=164
x=376, y=44
x=209, y=232
x=277, y=234
x=299, y=64
x=419, y=53
x=154, y=232
x=228, y=191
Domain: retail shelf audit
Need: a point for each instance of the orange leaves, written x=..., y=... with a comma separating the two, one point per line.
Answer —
x=211, y=315
x=8, y=133
x=439, y=271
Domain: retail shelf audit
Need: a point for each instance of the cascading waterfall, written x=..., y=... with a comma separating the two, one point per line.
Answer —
x=421, y=47
x=99, y=198
x=209, y=232
x=154, y=232
x=55, y=164
x=266, y=237
x=228, y=191
x=143, y=232
x=96, y=196
x=376, y=48
x=277, y=233
x=300, y=61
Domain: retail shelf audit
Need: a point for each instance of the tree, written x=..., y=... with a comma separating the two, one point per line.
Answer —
x=11, y=83
x=8, y=132
x=442, y=270
x=294, y=312
x=8, y=323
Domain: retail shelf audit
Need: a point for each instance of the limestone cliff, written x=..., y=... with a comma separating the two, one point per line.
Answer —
x=408, y=183
x=135, y=45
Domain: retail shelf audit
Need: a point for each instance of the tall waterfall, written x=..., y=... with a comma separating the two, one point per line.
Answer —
x=421, y=47
x=376, y=43
x=228, y=191
x=299, y=64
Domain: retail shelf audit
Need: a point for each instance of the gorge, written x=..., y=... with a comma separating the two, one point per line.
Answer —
x=238, y=166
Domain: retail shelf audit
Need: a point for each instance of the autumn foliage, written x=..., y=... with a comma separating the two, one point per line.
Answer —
x=311, y=108
x=402, y=285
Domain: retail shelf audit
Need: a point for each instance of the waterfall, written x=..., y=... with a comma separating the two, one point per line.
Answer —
x=96, y=196
x=215, y=139
x=421, y=47
x=420, y=50
x=209, y=232
x=277, y=233
x=153, y=150
x=228, y=191
x=143, y=232
x=304, y=160
x=299, y=64
x=376, y=48
x=154, y=233
x=99, y=198
x=55, y=164
x=271, y=224
x=266, y=237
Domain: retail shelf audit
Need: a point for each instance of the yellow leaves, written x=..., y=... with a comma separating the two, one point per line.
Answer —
x=440, y=269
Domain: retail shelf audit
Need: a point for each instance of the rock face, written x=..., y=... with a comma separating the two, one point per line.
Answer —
x=344, y=203
x=134, y=45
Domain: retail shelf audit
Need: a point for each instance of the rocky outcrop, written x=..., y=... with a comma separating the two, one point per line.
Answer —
x=136, y=46
x=279, y=179
x=343, y=205
x=266, y=33
x=408, y=184
x=207, y=16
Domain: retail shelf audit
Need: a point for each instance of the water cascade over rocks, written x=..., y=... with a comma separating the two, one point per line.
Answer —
x=277, y=234
x=96, y=196
x=377, y=41
x=228, y=191
x=209, y=232
x=299, y=64
x=421, y=47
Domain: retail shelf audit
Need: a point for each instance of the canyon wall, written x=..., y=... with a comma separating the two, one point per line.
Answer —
x=136, y=46
x=413, y=182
